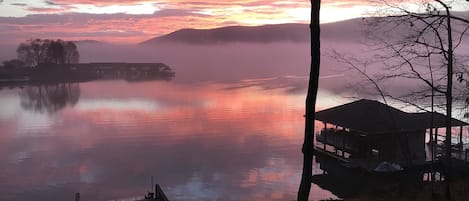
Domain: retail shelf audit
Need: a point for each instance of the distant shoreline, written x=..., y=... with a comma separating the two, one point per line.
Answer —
x=83, y=72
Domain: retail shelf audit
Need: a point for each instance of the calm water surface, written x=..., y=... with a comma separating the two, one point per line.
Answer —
x=105, y=139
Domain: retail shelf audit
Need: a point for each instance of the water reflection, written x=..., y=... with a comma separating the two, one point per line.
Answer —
x=200, y=142
x=341, y=180
x=49, y=98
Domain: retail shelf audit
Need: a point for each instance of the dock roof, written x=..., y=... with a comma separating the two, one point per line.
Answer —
x=439, y=119
x=374, y=117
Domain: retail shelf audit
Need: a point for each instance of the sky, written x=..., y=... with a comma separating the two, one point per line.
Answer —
x=134, y=21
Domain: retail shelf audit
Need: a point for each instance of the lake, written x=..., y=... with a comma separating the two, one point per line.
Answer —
x=199, y=140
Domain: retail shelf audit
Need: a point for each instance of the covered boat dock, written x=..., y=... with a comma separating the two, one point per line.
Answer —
x=365, y=133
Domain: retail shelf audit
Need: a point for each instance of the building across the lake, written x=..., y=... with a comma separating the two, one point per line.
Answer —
x=366, y=133
x=49, y=72
x=128, y=71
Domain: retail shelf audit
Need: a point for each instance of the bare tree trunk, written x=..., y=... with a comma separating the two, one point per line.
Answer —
x=449, y=102
x=305, y=185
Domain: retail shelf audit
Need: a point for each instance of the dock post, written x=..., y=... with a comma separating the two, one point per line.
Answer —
x=77, y=196
x=460, y=138
x=431, y=135
x=343, y=142
x=325, y=135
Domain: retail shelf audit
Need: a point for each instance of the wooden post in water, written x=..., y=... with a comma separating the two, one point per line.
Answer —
x=460, y=138
x=77, y=196
x=433, y=148
x=431, y=135
x=151, y=184
x=344, y=135
x=325, y=135
x=436, y=145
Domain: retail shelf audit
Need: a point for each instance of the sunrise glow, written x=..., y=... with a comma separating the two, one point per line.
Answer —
x=133, y=21
x=143, y=8
x=126, y=21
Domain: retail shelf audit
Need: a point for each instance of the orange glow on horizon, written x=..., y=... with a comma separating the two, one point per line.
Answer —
x=134, y=21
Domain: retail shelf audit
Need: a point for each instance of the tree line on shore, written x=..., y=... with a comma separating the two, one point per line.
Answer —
x=38, y=53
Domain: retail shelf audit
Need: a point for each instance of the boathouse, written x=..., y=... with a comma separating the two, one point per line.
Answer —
x=368, y=132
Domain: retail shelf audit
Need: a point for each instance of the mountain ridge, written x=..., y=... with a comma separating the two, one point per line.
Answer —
x=293, y=32
x=353, y=29
x=288, y=32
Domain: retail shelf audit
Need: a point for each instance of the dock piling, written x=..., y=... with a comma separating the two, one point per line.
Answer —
x=77, y=196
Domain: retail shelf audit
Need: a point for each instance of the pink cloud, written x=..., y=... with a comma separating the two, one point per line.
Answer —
x=57, y=20
x=96, y=3
x=112, y=27
x=46, y=10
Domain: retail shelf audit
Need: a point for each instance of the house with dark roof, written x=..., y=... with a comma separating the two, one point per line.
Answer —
x=368, y=132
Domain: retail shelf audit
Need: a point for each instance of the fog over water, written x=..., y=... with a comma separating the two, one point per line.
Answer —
x=200, y=141
x=229, y=126
x=225, y=63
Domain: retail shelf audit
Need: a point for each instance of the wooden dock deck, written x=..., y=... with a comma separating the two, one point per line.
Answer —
x=363, y=164
x=460, y=159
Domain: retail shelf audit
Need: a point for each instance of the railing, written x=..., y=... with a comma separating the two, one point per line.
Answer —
x=337, y=139
x=458, y=151
x=159, y=194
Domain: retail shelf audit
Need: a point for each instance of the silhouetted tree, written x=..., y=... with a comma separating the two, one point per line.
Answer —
x=306, y=177
x=39, y=51
x=71, y=53
x=33, y=52
x=56, y=52
x=420, y=44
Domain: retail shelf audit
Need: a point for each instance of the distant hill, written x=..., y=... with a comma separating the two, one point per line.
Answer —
x=260, y=34
x=348, y=30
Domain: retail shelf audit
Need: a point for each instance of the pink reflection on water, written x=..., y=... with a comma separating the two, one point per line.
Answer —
x=239, y=144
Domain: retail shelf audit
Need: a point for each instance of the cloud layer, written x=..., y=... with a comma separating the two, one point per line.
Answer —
x=132, y=21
